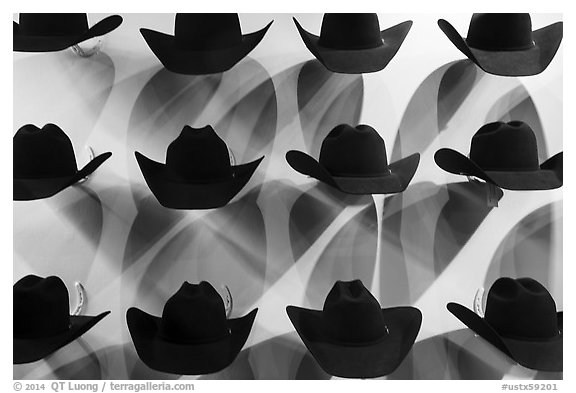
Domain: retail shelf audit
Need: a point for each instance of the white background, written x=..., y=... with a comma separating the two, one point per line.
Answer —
x=284, y=239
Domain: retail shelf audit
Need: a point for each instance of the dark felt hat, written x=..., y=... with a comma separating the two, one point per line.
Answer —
x=353, y=160
x=352, y=336
x=353, y=43
x=42, y=320
x=504, y=44
x=193, y=336
x=203, y=43
x=505, y=154
x=520, y=320
x=55, y=32
x=197, y=173
x=44, y=162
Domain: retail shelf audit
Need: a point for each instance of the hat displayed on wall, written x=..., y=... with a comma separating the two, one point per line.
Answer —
x=505, y=154
x=353, y=160
x=352, y=337
x=193, y=336
x=203, y=43
x=520, y=320
x=42, y=320
x=504, y=44
x=197, y=173
x=55, y=32
x=353, y=43
x=44, y=162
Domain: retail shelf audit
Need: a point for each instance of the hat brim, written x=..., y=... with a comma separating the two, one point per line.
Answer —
x=401, y=173
x=372, y=360
x=357, y=61
x=546, y=355
x=30, y=189
x=511, y=63
x=186, y=359
x=34, y=43
x=34, y=349
x=191, y=62
x=190, y=195
x=548, y=177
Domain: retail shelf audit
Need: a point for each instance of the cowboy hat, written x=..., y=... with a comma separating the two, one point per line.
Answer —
x=44, y=162
x=197, y=173
x=55, y=32
x=203, y=43
x=520, y=320
x=353, y=43
x=193, y=336
x=505, y=154
x=352, y=337
x=353, y=160
x=504, y=44
x=42, y=320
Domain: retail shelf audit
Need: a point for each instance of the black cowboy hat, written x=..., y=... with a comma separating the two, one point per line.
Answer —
x=203, y=43
x=193, y=336
x=44, y=162
x=352, y=337
x=42, y=320
x=55, y=32
x=504, y=44
x=520, y=320
x=197, y=173
x=353, y=43
x=505, y=154
x=353, y=160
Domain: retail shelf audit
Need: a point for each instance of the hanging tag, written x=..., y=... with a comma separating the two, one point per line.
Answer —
x=478, y=302
x=493, y=195
x=89, y=156
x=228, y=302
x=81, y=297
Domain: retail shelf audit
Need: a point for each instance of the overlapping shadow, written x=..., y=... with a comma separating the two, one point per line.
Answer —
x=325, y=100
x=530, y=249
x=81, y=85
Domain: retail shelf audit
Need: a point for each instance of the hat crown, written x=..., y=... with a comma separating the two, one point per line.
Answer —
x=354, y=151
x=505, y=147
x=41, y=307
x=207, y=31
x=521, y=308
x=43, y=153
x=194, y=314
x=53, y=24
x=198, y=154
x=350, y=31
x=351, y=314
x=505, y=32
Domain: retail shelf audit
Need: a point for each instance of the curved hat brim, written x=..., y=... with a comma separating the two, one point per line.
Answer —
x=546, y=355
x=30, y=189
x=34, y=349
x=401, y=173
x=511, y=63
x=190, y=195
x=372, y=360
x=548, y=177
x=190, y=62
x=34, y=43
x=186, y=359
x=357, y=61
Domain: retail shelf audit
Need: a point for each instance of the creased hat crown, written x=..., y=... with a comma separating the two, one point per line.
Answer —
x=207, y=31
x=198, y=154
x=521, y=308
x=350, y=31
x=194, y=314
x=64, y=24
x=43, y=153
x=41, y=307
x=349, y=151
x=502, y=146
x=506, y=32
x=352, y=314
